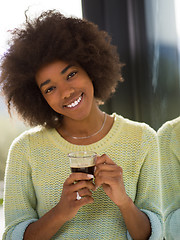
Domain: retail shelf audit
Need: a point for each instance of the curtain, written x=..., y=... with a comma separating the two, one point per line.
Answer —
x=150, y=92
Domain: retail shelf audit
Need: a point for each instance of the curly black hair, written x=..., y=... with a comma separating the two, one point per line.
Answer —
x=47, y=38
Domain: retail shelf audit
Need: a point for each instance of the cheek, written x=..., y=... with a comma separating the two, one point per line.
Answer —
x=52, y=101
x=90, y=87
x=92, y=90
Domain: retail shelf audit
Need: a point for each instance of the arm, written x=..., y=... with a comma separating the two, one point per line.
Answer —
x=19, y=197
x=110, y=176
x=149, y=190
x=65, y=210
x=21, y=217
x=169, y=142
x=172, y=225
x=147, y=203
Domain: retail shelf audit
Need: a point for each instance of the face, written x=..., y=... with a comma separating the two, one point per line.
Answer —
x=67, y=89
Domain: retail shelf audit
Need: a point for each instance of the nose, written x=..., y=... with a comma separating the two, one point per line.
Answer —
x=66, y=93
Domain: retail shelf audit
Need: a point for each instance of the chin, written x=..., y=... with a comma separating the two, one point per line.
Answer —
x=78, y=115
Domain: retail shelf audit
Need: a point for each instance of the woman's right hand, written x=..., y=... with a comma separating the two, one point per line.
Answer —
x=68, y=205
x=65, y=210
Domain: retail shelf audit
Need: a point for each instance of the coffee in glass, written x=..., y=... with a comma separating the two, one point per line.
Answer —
x=82, y=162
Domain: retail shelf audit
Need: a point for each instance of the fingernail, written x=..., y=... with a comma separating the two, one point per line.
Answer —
x=90, y=176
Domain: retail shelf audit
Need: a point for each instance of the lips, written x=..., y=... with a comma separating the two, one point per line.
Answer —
x=75, y=102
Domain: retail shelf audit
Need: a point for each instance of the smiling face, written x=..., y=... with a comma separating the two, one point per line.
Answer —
x=67, y=89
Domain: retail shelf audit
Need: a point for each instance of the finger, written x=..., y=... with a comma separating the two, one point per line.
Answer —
x=104, y=159
x=107, y=168
x=77, y=177
x=114, y=174
x=85, y=192
x=106, y=180
x=83, y=184
x=84, y=200
x=103, y=177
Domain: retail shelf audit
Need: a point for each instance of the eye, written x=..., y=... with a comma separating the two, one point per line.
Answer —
x=72, y=74
x=50, y=89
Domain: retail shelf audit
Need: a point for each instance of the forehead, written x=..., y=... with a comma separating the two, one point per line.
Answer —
x=48, y=68
x=51, y=69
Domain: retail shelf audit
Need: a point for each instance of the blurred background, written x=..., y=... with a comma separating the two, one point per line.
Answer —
x=147, y=36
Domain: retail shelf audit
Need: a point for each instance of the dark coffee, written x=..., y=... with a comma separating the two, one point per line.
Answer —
x=88, y=170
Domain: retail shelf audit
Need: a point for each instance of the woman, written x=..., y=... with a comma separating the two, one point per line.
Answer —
x=56, y=73
x=169, y=145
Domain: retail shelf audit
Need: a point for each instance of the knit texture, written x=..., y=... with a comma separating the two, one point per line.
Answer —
x=169, y=145
x=38, y=166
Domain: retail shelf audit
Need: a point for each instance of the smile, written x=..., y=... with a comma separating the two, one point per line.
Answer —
x=75, y=103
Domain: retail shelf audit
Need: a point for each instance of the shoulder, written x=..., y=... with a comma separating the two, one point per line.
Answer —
x=170, y=128
x=138, y=137
x=32, y=134
x=135, y=134
x=134, y=127
x=169, y=137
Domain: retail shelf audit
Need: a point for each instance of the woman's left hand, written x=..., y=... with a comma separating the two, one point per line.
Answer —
x=110, y=176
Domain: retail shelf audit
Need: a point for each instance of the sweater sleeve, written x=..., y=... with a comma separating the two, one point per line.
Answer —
x=19, y=199
x=169, y=142
x=172, y=225
x=148, y=195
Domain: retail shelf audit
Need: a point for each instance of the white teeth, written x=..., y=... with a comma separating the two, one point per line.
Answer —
x=75, y=103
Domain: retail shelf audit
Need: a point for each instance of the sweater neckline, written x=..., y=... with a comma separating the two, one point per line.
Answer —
x=67, y=147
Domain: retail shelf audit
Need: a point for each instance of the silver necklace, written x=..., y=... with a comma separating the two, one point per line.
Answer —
x=94, y=134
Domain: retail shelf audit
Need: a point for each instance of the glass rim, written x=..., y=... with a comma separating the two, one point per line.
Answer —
x=87, y=154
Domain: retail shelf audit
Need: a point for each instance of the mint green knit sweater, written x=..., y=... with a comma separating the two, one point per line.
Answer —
x=169, y=142
x=38, y=166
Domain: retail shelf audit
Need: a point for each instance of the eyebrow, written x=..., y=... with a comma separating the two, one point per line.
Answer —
x=44, y=83
x=62, y=72
x=66, y=68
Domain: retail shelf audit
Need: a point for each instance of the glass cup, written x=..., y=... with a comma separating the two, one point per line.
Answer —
x=82, y=162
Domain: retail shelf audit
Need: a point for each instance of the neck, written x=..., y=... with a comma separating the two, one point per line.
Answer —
x=83, y=128
x=93, y=134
